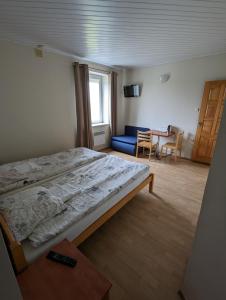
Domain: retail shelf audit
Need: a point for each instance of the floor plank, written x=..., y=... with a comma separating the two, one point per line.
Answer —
x=144, y=248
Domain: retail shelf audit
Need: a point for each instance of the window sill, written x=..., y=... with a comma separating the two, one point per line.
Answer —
x=100, y=124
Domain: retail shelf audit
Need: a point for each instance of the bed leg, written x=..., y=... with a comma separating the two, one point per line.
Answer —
x=151, y=183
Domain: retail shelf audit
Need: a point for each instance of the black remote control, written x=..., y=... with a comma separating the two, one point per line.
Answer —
x=65, y=260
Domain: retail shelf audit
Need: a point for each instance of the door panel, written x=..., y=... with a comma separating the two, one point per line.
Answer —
x=209, y=120
x=211, y=110
x=207, y=126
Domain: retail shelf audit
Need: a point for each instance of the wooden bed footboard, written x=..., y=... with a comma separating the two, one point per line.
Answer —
x=15, y=248
x=106, y=216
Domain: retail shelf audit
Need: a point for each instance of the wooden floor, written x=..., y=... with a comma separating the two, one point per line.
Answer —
x=144, y=248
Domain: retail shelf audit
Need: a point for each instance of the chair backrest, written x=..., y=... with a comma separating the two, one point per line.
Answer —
x=132, y=130
x=179, y=139
x=145, y=136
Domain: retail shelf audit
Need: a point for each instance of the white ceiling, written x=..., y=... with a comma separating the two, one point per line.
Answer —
x=118, y=32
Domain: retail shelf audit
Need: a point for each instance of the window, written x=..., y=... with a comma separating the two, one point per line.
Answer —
x=95, y=88
x=98, y=87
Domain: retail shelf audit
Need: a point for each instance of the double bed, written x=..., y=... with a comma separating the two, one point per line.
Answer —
x=67, y=195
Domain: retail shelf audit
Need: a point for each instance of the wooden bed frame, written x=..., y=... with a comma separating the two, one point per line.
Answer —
x=16, y=250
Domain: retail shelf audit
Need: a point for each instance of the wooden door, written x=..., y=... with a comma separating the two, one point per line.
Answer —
x=209, y=120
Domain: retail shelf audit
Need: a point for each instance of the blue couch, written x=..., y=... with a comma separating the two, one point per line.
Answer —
x=127, y=143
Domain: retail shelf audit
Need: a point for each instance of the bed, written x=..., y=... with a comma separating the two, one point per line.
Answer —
x=65, y=195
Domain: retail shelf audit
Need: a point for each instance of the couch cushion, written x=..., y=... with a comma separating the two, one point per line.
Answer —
x=132, y=130
x=132, y=140
x=123, y=147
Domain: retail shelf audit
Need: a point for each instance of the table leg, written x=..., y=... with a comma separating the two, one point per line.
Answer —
x=157, y=154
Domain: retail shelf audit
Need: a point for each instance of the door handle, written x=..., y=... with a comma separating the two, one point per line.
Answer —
x=200, y=123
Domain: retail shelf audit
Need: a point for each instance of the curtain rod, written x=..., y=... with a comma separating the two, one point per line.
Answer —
x=99, y=70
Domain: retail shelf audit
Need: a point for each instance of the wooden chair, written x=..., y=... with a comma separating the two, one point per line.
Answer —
x=144, y=140
x=174, y=147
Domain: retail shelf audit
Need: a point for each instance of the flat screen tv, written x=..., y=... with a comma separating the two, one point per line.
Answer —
x=133, y=90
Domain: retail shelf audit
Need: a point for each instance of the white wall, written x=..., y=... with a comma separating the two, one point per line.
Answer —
x=206, y=271
x=37, y=102
x=175, y=102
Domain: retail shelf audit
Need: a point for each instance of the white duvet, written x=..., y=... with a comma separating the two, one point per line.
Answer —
x=22, y=173
x=84, y=190
x=59, y=202
x=94, y=184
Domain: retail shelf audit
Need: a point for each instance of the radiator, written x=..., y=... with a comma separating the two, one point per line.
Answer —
x=99, y=138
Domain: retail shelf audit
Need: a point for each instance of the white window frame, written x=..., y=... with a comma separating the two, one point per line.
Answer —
x=99, y=78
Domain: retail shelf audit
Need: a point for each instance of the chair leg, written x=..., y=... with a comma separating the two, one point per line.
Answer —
x=161, y=152
x=149, y=156
x=137, y=151
x=175, y=155
x=166, y=151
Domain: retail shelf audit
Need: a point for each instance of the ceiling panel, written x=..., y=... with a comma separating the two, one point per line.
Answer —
x=117, y=32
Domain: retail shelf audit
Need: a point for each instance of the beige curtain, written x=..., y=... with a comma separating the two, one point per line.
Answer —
x=84, y=136
x=113, y=103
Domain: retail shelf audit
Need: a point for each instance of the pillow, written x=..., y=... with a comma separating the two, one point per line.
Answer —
x=24, y=210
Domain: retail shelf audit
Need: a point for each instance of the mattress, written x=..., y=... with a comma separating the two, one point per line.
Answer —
x=31, y=252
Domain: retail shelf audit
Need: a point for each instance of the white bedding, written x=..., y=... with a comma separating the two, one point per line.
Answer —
x=24, y=210
x=18, y=174
x=88, y=185
x=73, y=231
x=85, y=189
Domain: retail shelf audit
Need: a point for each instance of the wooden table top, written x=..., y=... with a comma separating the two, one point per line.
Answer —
x=45, y=279
x=162, y=133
